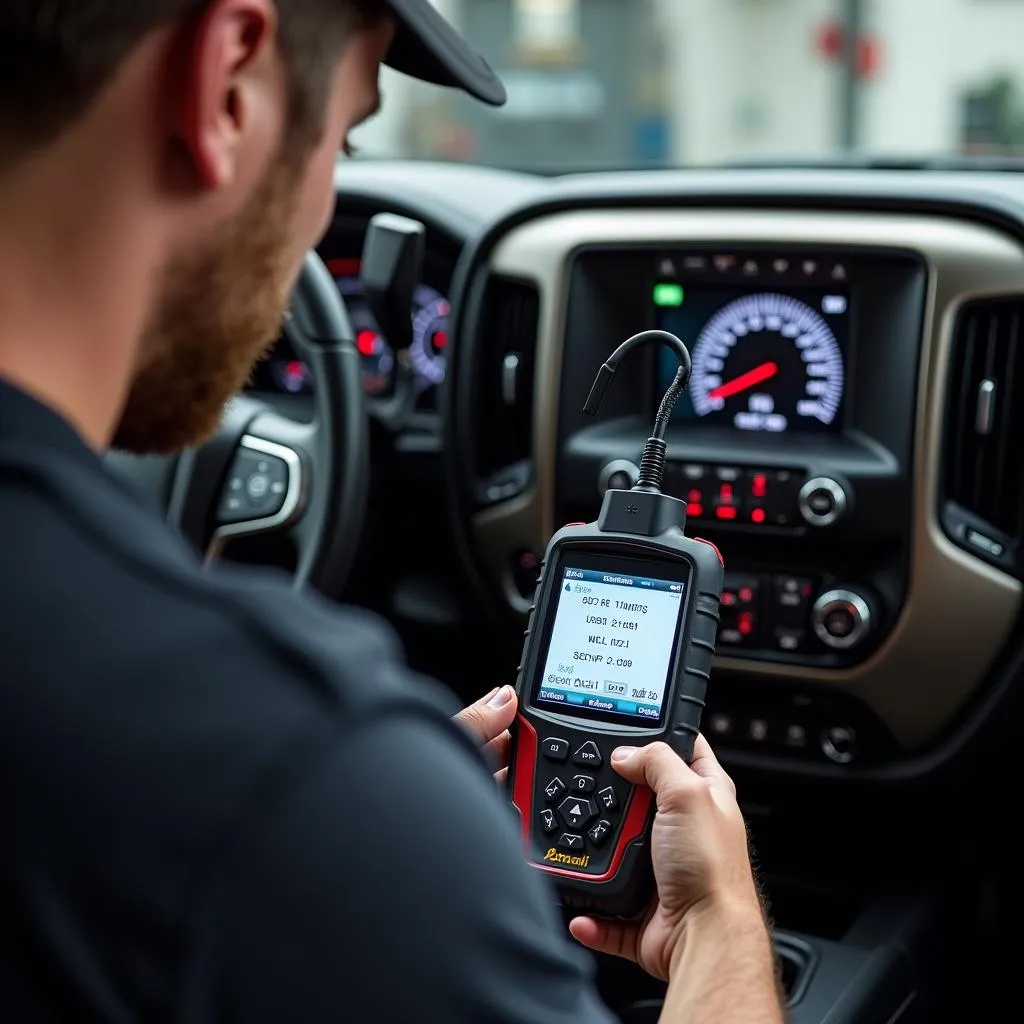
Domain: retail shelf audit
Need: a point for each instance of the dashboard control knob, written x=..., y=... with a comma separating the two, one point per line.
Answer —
x=841, y=619
x=839, y=743
x=822, y=501
x=619, y=475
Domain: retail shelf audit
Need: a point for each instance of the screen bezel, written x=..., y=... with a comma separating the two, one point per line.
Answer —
x=695, y=282
x=672, y=571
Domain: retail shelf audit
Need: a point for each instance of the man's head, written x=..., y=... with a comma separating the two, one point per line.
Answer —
x=243, y=105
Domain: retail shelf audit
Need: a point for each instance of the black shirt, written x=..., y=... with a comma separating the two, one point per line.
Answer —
x=225, y=802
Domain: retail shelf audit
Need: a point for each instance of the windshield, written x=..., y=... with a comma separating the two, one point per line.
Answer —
x=599, y=84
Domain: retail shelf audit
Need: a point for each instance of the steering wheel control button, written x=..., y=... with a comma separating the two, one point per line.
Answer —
x=822, y=501
x=555, y=749
x=841, y=619
x=570, y=842
x=607, y=798
x=582, y=784
x=553, y=790
x=576, y=811
x=256, y=488
x=839, y=744
x=600, y=832
x=263, y=491
x=548, y=821
x=588, y=756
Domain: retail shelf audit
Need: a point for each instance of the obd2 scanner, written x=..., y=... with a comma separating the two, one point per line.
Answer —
x=618, y=651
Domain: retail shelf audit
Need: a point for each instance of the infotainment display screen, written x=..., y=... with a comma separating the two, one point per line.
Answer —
x=766, y=357
x=612, y=642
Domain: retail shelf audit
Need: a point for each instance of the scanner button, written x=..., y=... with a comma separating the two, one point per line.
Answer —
x=582, y=784
x=553, y=790
x=548, y=821
x=555, y=749
x=600, y=832
x=588, y=755
x=576, y=811
x=567, y=841
x=607, y=798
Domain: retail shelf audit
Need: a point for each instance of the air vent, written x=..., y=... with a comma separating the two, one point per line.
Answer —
x=984, y=470
x=504, y=387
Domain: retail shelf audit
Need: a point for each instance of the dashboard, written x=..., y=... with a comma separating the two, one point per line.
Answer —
x=847, y=438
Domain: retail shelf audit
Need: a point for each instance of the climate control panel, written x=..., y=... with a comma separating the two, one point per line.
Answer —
x=785, y=613
x=762, y=496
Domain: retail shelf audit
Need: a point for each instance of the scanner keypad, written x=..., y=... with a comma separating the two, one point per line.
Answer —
x=580, y=811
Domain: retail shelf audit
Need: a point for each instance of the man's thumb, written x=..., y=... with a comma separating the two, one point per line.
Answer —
x=490, y=716
x=654, y=765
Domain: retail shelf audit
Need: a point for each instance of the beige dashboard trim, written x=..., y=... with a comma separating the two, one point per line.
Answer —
x=959, y=611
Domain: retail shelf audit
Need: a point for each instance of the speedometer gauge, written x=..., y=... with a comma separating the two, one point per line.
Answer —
x=429, y=334
x=767, y=362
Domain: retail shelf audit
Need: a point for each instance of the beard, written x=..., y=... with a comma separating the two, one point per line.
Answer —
x=218, y=311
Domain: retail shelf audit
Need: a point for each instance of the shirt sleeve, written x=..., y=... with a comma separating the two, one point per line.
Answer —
x=389, y=886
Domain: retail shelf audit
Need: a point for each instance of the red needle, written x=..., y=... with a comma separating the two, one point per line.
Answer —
x=745, y=380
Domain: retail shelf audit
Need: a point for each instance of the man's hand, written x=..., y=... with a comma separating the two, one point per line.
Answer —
x=487, y=721
x=699, y=850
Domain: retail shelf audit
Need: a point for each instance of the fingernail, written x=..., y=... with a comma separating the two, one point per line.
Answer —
x=501, y=698
x=623, y=754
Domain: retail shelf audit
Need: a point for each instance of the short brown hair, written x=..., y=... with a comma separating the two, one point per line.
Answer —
x=56, y=56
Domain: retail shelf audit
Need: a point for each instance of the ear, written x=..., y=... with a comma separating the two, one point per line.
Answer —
x=227, y=69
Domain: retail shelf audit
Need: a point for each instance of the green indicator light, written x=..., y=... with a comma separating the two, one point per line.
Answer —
x=668, y=294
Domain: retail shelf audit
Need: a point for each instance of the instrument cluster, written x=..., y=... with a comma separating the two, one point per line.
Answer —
x=284, y=372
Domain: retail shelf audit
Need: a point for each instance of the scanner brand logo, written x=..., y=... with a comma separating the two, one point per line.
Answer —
x=557, y=857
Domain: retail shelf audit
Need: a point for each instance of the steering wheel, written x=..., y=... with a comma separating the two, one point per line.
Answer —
x=263, y=472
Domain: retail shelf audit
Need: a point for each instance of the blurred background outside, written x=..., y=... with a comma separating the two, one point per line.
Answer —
x=601, y=84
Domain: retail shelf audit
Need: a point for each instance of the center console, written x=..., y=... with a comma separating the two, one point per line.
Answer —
x=874, y=971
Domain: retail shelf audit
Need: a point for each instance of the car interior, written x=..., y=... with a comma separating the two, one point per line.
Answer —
x=851, y=441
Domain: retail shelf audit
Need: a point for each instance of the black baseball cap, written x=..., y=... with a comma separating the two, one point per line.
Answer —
x=428, y=48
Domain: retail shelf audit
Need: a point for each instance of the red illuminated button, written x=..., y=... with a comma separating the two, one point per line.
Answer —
x=770, y=497
x=368, y=342
x=727, y=494
x=689, y=480
x=739, y=621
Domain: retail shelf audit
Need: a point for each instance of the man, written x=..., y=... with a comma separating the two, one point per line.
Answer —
x=222, y=802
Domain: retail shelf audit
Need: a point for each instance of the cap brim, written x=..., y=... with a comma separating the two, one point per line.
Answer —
x=428, y=48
